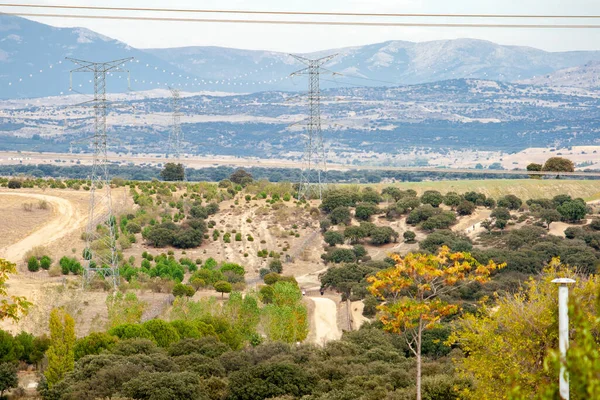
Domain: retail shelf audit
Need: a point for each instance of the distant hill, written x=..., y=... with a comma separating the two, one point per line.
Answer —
x=393, y=62
x=32, y=63
x=584, y=76
x=446, y=115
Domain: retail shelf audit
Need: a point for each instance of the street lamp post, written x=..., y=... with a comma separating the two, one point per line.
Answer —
x=563, y=332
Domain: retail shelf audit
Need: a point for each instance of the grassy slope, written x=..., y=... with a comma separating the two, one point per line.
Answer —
x=522, y=188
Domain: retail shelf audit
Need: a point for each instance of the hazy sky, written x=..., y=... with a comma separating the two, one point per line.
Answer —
x=309, y=38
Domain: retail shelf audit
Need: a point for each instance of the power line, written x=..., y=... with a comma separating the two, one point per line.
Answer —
x=298, y=22
x=306, y=13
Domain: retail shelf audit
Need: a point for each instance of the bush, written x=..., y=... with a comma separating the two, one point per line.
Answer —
x=271, y=278
x=14, y=184
x=45, y=263
x=181, y=290
x=163, y=333
x=595, y=224
x=33, y=264
x=132, y=227
x=325, y=224
x=276, y=266
x=409, y=236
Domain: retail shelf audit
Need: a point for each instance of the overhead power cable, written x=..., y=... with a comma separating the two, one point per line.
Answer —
x=299, y=22
x=306, y=13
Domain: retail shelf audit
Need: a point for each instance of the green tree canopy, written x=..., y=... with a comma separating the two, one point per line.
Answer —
x=559, y=164
x=173, y=172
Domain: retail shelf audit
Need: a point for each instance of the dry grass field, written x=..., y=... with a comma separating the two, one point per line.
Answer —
x=21, y=216
x=522, y=188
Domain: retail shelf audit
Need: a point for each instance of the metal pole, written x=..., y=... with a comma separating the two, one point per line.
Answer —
x=563, y=333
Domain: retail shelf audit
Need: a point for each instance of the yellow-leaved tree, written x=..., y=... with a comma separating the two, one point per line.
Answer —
x=61, y=355
x=412, y=290
x=11, y=307
x=511, y=348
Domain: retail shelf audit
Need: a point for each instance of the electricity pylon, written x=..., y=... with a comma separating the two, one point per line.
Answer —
x=100, y=252
x=314, y=163
x=176, y=135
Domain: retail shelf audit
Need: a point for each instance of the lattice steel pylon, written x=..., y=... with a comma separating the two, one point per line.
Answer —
x=100, y=253
x=314, y=168
x=176, y=135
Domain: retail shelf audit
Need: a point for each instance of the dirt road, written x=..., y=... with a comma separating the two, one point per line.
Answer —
x=67, y=220
x=325, y=320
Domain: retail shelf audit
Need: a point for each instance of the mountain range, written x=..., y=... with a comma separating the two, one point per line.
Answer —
x=32, y=64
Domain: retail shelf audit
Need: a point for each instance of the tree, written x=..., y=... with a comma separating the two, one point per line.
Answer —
x=8, y=377
x=414, y=288
x=487, y=225
x=501, y=213
x=332, y=238
x=11, y=307
x=432, y=197
x=222, y=287
x=340, y=215
x=550, y=216
x=383, y=235
x=61, y=355
x=364, y=211
x=173, y=172
x=354, y=234
x=164, y=386
x=573, y=210
x=559, y=164
x=241, y=177
x=508, y=343
x=94, y=343
x=180, y=290
x=333, y=199
x=510, y=202
x=465, y=208
x=452, y=199
x=534, y=167
x=501, y=224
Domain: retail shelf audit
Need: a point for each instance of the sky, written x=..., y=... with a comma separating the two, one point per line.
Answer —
x=312, y=38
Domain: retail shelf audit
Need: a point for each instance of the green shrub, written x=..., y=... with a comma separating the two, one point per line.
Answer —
x=33, y=264
x=45, y=262
x=181, y=290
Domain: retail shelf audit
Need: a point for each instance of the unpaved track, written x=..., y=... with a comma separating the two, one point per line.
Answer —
x=67, y=220
x=325, y=320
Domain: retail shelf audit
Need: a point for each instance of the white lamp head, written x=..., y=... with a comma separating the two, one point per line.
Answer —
x=563, y=281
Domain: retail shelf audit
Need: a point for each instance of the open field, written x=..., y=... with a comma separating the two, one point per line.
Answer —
x=17, y=222
x=522, y=188
x=454, y=161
